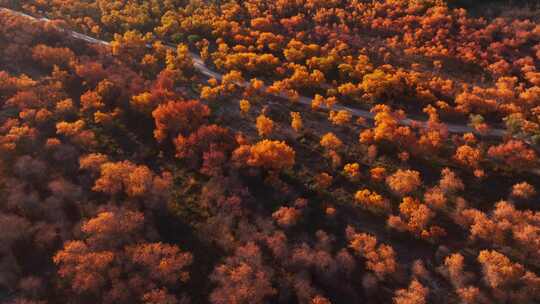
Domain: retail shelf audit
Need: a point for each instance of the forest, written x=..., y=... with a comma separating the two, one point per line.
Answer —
x=253, y=152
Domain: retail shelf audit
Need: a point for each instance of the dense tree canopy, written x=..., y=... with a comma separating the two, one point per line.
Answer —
x=309, y=152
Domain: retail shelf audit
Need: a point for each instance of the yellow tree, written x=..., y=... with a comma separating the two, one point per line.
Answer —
x=269, y=154
x=372, y=201
x=331, y=142
x=296, y=121
x=380, y=258
x=131, y=46
x=244, y=106
x=404, y=181
x=340, y=118
x=264, y=125
x=352, y=171
x=415, y=294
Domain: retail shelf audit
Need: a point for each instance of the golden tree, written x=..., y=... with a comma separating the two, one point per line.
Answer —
x=340, y=118
x=416, y=293
x=372, y=201
x=404, y=181
x=273, y=155
x=244, y=106
x=352, y=170
x=330, y=141
x=265, y=125
x=380, y=258
x=296, y=121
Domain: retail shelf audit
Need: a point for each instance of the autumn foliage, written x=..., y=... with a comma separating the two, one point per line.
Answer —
x=273, y=155
x=228, y=152
x=178, y=117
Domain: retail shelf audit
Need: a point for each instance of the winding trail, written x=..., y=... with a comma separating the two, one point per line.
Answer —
x=203, y=69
